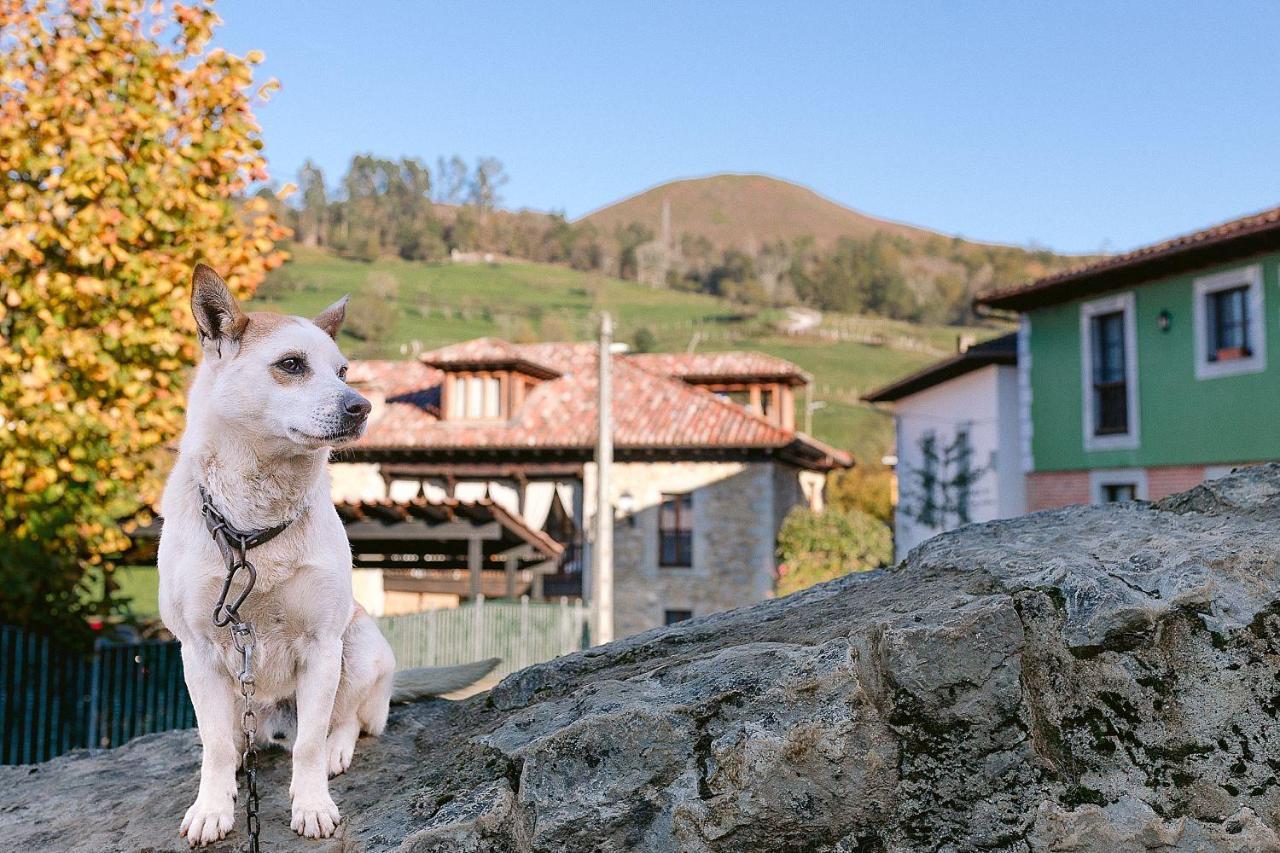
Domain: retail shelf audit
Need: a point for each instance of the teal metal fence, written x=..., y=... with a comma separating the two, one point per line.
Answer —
x=53, y=700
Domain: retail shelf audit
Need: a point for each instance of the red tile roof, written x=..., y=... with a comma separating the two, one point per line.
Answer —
x=1238, y=238
x=486, y=353
x=722, y=366
x=393, y=378
x=651, y=410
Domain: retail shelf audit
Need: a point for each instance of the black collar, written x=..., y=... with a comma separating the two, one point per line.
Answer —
x=231, y=540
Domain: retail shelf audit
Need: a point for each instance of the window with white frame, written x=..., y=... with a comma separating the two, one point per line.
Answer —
x=475, y=397
x=1109, y=376
x=1229, y=322
x=1117, y=485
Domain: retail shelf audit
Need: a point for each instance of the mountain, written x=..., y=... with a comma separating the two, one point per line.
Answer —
x=747, y=211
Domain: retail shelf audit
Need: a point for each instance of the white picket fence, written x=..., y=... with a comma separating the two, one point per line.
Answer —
x=521, y=633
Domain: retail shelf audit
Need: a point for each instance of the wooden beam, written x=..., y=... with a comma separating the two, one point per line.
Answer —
x=420, y=530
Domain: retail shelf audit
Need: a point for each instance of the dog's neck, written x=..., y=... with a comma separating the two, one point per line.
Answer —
x=254, y=491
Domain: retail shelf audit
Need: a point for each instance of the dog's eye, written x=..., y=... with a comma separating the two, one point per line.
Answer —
x=342, y=373
x=292, y=364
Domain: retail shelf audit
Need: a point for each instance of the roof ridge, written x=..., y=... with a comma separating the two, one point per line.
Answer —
x=1220, y=232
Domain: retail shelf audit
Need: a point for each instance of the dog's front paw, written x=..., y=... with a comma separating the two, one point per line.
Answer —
x=315, y=816
x=208, y=820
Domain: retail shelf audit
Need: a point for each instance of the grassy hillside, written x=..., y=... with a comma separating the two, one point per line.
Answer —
x=732, y=211
x=437, y=304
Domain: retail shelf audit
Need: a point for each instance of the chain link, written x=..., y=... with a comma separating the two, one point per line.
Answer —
x=245, y=639
x=234, y=545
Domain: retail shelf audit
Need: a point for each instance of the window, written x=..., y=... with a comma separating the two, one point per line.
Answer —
x=1110, y=392
x=1228, y=324
x=1109, y=374
x=475, y=397
x=671, y=617
x=1116, y=485
x=1229, y=330
x=675, y=531
x=1117, y=492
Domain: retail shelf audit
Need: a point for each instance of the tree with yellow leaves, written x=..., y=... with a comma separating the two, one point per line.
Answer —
x=126, y=147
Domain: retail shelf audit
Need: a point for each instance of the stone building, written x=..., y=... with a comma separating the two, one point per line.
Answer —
x=708, y=463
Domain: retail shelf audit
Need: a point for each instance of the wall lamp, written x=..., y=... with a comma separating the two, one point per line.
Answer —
x=627, y=507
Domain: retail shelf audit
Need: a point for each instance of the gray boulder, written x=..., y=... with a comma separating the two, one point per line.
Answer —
x=1090, y=679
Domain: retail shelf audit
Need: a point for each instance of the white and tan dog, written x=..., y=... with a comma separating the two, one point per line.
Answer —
x=268, y=402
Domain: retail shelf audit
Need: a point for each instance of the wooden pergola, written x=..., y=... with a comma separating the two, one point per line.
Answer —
x=467, y=548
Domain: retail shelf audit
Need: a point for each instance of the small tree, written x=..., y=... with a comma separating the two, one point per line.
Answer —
x=124, y=144
x=373, y=312
x=645, y=340
x=815, y=547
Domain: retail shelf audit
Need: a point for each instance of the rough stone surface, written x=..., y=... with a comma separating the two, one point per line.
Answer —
x=1082, y=680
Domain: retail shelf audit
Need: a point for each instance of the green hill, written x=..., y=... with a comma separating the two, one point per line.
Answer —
x=736, y=211
x=428, y=305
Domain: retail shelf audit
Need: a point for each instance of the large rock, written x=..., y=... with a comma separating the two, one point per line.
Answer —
x=1092, y=679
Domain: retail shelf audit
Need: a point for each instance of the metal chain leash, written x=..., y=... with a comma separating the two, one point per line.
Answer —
x=234, y=545
x=245, y=639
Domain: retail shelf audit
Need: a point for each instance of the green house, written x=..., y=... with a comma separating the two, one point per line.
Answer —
x=1147, y=373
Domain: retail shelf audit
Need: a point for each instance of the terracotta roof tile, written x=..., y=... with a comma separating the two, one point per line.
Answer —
x=720, y=365
x=651, y=410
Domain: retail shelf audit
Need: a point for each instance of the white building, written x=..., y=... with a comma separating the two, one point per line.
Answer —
x=958, y=453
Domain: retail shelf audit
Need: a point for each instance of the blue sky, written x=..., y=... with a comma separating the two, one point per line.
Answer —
x=1080, y=126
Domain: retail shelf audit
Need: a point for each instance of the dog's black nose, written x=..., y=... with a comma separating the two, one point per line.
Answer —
x=354, y=406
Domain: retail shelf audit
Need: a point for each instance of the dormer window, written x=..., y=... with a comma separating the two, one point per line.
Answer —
x=485, y=379
x=476, y=396
x=768, y=399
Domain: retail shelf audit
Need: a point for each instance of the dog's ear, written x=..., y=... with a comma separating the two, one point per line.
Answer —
x=330, y=319
x=218, y=317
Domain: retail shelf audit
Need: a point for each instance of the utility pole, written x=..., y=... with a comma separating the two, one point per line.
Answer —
x=602, y=553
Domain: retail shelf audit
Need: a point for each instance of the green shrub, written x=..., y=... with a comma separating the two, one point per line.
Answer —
x=815, y=547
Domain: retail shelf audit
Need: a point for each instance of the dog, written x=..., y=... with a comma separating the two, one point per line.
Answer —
x=268, y=403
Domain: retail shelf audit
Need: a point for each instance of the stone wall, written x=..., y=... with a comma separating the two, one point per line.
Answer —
x=738, y=508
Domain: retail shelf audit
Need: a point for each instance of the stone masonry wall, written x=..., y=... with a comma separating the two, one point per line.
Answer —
x=737, y=509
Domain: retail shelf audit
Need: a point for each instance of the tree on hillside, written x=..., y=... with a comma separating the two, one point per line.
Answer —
x=124, y=144
x=314, y=213
x=484, y=184
x=450, y=185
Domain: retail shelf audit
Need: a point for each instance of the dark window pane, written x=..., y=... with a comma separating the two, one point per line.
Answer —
x=671, y=617
x=1228, y=323
x=1117, y=492
x=1110, y=383
x=675, y=530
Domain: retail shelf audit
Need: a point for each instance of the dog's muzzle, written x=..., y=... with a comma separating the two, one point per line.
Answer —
x=355, y=411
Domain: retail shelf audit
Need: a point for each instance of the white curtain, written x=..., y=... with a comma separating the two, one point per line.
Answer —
x=505, y=496
x=537, y=502
x=470, y=491
x=568, y=494
x=404, y=490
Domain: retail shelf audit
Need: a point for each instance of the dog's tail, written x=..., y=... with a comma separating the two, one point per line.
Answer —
x=411, y=685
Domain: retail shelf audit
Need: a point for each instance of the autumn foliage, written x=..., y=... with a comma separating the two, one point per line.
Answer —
x=125, y=144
